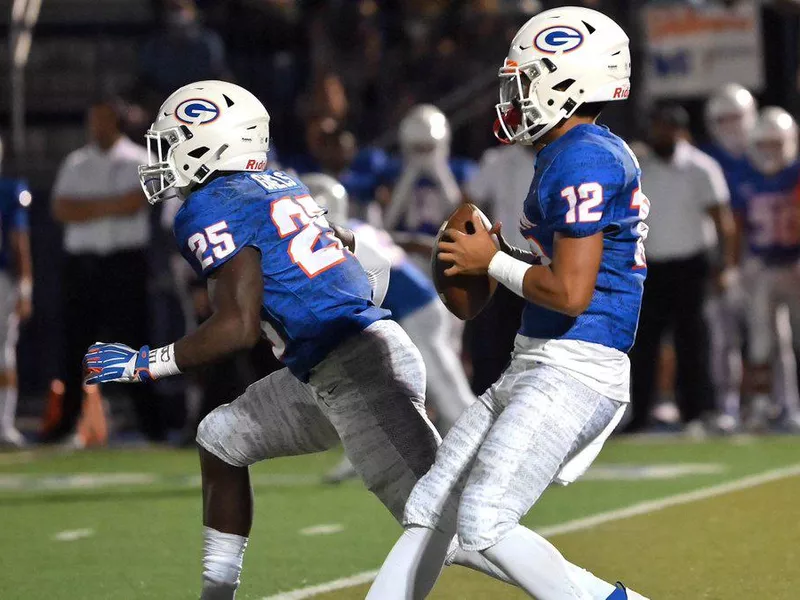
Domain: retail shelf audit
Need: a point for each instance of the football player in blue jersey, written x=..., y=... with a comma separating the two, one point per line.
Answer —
x=567, y=386
x=768, y=204
x=16, y=289
x=274, y=266
x=730, y=115
x=426, y=181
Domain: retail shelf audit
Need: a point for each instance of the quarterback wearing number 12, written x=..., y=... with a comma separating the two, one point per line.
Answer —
x=566, y=387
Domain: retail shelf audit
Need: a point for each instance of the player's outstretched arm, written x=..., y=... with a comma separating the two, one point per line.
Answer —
x=236, y=289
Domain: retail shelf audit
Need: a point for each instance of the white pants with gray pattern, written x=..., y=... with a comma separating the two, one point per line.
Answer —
x=369, y=392
x=505, y=450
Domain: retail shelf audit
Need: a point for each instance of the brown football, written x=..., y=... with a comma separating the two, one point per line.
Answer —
x=464, y=295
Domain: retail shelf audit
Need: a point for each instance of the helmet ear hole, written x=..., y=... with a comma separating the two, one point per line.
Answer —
x=198, y=152
x=564, y=85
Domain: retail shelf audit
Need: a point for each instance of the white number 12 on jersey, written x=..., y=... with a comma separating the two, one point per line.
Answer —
x=590, y=196
x=293, y=214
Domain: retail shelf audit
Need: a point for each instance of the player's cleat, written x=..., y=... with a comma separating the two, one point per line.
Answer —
x=342, y=472
x=619, y=594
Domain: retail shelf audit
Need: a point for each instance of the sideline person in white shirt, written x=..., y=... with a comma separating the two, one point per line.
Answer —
x=689, y=198
x=98, y=199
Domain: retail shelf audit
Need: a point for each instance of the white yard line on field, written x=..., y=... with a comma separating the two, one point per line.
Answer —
x=325, y=529
x=642, y=508
x=73, y=534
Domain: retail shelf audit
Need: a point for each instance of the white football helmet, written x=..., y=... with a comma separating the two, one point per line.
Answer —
x=203, y=128
x=773, y=141
x=425, y=130
x=730, y=115
x=560, y=59
x=330, y=194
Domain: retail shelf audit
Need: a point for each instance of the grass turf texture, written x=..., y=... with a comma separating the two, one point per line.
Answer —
x=146, y=541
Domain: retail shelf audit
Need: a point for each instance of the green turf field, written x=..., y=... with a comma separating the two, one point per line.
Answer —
x=125, y=524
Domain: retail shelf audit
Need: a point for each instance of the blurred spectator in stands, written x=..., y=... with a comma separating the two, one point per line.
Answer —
x=686, y=189
x=16, y=289
x=180, y=52
x=98, y=199
x=499, y=187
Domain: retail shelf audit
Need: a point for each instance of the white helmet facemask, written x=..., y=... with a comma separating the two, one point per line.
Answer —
x=158, y=176
x=201, y=129
x=559, y=60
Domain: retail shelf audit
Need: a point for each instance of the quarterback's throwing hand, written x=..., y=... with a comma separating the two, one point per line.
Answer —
x=116, y=362
x=469, y=253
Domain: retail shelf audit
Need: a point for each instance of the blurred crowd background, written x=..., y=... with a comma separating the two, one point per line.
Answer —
x=339, y=77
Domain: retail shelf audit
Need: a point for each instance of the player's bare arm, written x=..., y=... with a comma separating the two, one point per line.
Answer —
x=565, y=286
x=236, y=290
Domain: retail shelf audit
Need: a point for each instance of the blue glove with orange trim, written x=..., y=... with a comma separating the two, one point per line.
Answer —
x=104, y=363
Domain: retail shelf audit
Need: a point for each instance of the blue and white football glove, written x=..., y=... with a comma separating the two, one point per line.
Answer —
x=104, y=363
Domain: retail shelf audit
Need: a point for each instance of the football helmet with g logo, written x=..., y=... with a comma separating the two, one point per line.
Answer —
x=204, y=128
x=560, y=59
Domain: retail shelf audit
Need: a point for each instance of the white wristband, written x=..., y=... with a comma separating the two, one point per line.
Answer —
x=509, y=271
x=162, y=362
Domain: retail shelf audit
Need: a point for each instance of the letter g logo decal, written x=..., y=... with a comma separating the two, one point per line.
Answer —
x=196, y=111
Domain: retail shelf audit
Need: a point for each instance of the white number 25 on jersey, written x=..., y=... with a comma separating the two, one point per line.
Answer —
x=296, y=215
x=216, y=236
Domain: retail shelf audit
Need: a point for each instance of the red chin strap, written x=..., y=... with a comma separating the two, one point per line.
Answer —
x=512, y=118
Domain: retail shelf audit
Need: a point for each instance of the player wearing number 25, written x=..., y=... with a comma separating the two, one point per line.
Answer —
x=275, y=265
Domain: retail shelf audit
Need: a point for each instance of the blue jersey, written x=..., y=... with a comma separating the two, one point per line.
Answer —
x=425, y=214
x=409, y=288
x=14, y=198
x=737, y=170
x=315, y=292
x=770, y=204
x=585, y=182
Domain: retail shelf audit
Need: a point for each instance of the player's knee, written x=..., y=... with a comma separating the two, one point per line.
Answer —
x=481, y=525
x=217, y=435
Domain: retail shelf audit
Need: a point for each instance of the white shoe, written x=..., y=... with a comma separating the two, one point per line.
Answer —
x=341, y=472
x=10, y=436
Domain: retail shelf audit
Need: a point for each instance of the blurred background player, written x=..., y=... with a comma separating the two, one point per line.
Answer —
x=98, y=200
x=769, y=209
x=16, y=293
x=730, y=115
x=687, y=190
x=427, y=182
x=414, y=304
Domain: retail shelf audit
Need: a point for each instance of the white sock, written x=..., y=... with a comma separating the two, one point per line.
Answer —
x=8, y=407
x=412, y=567
x=222, y=564
x=539, y=569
